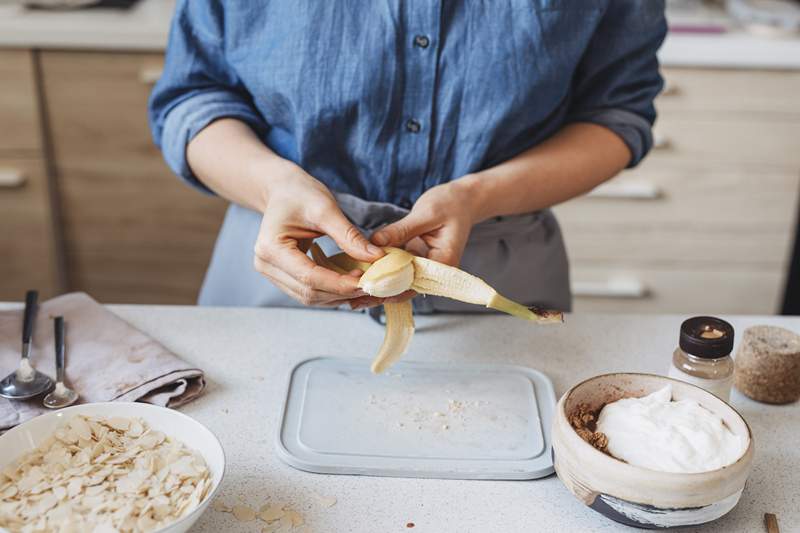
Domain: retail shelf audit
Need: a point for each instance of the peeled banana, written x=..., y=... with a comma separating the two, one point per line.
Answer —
x=399, y=271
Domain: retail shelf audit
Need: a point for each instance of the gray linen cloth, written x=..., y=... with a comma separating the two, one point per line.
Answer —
x=107, y=359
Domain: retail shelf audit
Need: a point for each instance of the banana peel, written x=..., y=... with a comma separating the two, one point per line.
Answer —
x=399, y=271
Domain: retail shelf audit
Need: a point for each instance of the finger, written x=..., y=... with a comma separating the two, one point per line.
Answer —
x=311, y=275
x=417, y=247
x=365, y=302
x=315, y=299
x=295, y=289
x=298, y=297
x=447, y=245
x=448, y=255
x=349, y=239
x=335, y=303
x=400, y=298
x=405, y=229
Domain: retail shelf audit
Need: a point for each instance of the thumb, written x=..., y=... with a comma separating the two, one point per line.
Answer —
x=349, y=239
x=402, y=231
x=448, y=256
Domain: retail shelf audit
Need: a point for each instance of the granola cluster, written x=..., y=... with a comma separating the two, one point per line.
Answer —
x=584, y=420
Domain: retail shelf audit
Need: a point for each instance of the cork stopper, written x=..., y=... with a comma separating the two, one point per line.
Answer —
x=768, y=365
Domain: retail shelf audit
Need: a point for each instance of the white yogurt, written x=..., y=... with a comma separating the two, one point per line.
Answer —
x=656, y=433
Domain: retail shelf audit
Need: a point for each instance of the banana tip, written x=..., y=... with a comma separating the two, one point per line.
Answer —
x=547, y=315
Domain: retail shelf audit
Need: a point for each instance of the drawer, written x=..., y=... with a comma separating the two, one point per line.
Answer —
x=26, y=240
x=98, y=104
x=671, y=290
x=726, y=140
x=18, y=108
x=731, y=91
x=682, y=219
x=679, y=248
x=134, y=233
x=715, y=201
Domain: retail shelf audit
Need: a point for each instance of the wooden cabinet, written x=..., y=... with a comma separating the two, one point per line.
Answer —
x=27, y=239
x=19, y=118
x=706, y=223
x=133, y=232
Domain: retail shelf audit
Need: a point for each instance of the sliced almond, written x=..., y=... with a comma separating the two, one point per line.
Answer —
x=243, y=513
x=271, y=513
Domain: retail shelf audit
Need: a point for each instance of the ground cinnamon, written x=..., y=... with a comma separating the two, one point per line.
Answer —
x=584, y=421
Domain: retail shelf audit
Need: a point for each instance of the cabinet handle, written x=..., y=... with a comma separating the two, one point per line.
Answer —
x=150, y=75
x=660, y=141
x=627, y=191
x=11, y=178
x=670, y=88
x=618, y=288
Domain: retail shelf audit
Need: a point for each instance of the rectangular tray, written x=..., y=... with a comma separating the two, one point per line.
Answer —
x=438, y=420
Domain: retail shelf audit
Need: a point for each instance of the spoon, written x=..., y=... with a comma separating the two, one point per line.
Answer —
x=62, y=396
x=26, y=382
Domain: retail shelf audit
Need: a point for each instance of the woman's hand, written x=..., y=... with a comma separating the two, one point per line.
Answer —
x=299, y=209
x=438, y=225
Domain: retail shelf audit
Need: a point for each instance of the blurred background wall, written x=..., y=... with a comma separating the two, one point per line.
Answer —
x=706, y=224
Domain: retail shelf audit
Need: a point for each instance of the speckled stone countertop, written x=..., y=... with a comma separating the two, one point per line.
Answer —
x=248, y=353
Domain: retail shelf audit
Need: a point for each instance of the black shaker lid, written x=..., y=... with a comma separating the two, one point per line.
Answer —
x=707, y=337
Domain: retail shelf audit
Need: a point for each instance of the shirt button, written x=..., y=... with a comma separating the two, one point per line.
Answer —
x=421, y=41
x=413, y=125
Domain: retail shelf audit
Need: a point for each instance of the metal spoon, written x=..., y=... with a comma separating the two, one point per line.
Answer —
x=26, y=382
x=62, y=396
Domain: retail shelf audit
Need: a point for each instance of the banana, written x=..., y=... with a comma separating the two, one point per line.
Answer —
x=399, y=330
x=390, y=275
x=399, y=271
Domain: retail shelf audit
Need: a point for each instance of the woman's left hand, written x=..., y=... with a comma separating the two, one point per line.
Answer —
x=441, y=218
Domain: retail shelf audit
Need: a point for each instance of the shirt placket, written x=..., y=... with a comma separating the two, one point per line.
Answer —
x=421, y=41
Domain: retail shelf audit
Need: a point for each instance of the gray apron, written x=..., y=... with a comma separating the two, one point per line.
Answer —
x=522, y=256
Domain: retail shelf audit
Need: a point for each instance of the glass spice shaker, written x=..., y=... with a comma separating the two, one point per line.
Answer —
x=703, y=357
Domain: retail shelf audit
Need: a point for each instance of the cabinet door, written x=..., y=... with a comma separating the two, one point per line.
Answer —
x=722, y=290
x=26, y=231
x=706, y=222
x=19, y=120
x=134, y=233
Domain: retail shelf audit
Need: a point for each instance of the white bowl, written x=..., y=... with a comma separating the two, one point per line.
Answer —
x=638, y=496
x=193, y=434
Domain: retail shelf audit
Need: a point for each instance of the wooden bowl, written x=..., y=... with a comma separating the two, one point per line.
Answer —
x=639, y=496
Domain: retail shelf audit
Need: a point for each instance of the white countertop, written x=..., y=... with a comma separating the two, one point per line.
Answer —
x=248, y=353
x=146, y=25
x=143, y=27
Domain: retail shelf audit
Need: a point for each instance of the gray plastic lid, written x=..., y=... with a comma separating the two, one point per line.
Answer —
x=419, y=419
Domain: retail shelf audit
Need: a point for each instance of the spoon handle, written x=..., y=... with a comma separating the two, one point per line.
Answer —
x=27, y=324
x=58, y=328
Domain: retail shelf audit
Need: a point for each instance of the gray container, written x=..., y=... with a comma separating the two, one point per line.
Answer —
x=425, y=420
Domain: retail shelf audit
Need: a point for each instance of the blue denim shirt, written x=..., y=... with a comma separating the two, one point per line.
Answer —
x=384, y=99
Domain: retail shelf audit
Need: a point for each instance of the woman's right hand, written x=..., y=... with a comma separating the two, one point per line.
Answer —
x=299, y=209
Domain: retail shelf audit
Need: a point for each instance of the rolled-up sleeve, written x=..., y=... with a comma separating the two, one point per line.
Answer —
x=618, y=77
x=197, y=87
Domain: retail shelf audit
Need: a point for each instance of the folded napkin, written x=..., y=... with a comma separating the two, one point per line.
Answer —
x=107, y=359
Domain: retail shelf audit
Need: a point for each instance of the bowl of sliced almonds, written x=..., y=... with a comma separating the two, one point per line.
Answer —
x=124, y=467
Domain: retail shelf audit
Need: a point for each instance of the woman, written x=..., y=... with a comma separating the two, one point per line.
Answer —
x=445, y=127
